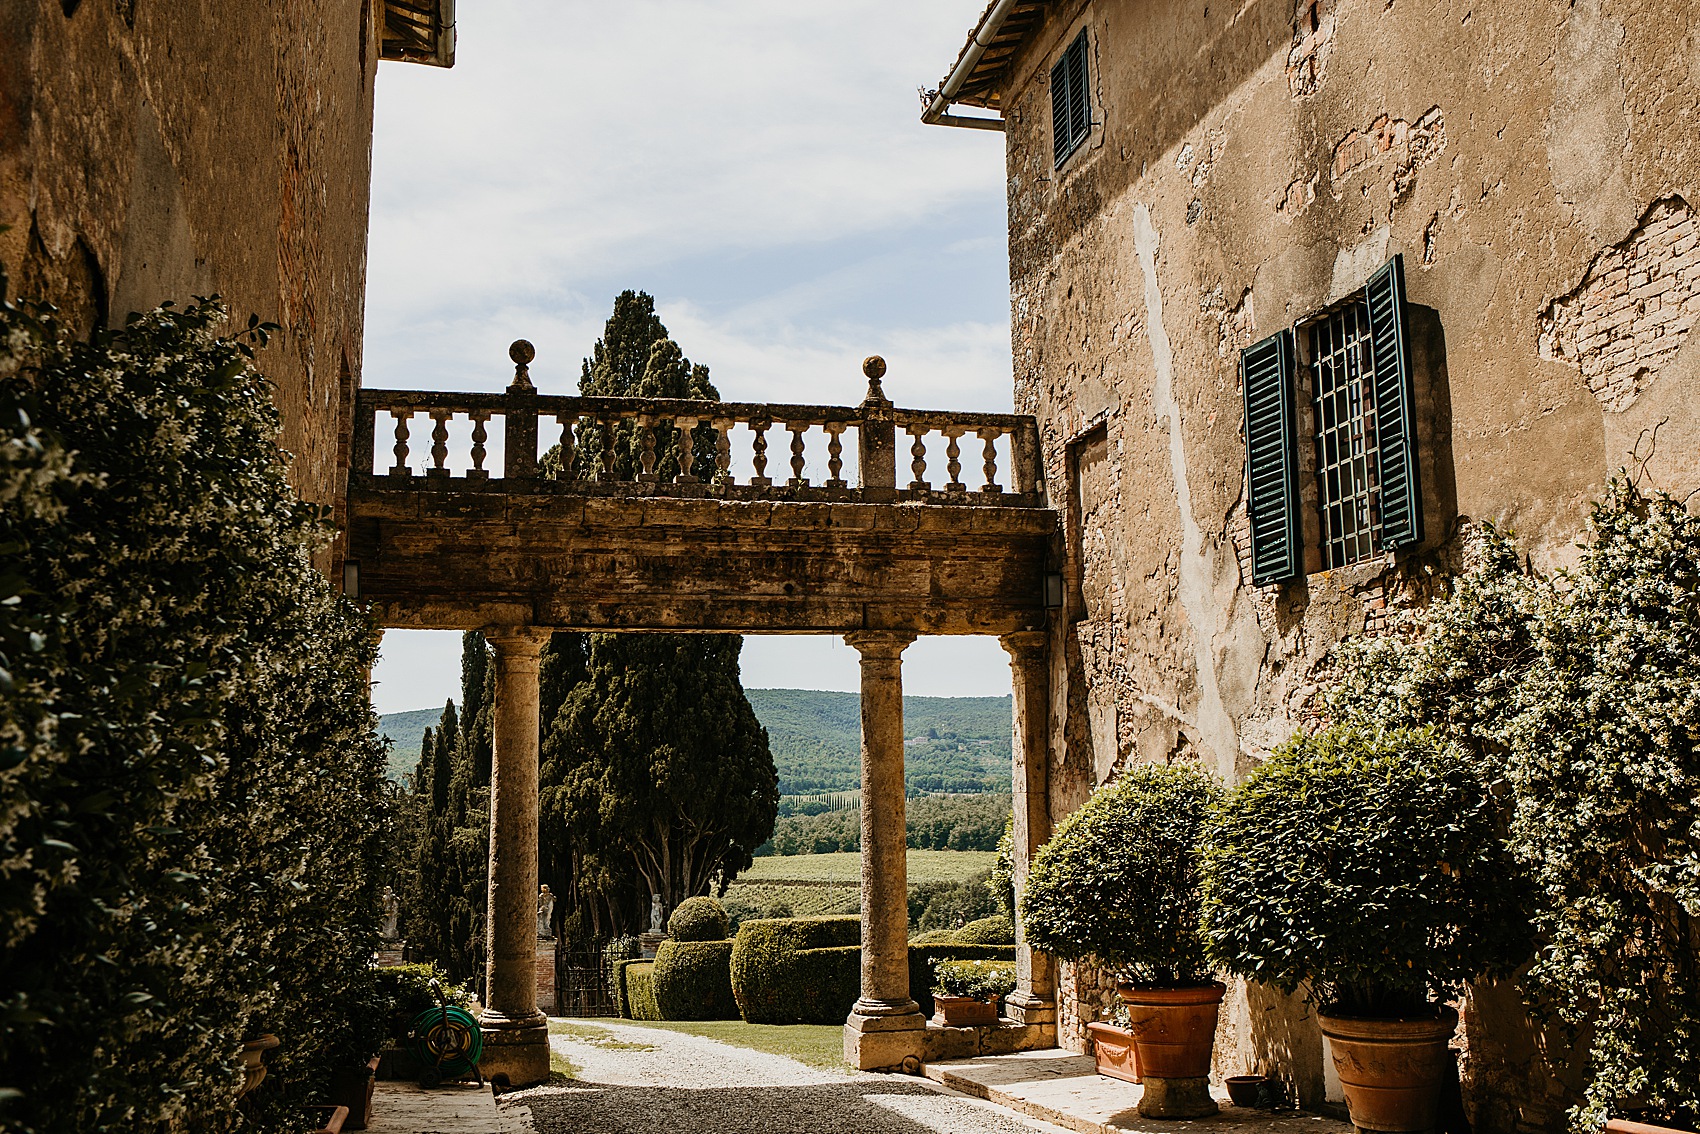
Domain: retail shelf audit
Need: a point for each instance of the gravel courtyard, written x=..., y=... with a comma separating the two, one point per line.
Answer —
x=646, y=1081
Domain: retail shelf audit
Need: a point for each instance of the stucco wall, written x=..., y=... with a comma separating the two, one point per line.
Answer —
x=1537, y=164
x=153, y=151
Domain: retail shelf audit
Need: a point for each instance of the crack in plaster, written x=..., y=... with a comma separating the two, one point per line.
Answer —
x=1197, y=570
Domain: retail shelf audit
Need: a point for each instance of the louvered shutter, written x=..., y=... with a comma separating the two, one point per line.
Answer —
x=1071, y=104
x=1060, y=141
x=1395, y=407
x=1272, y=459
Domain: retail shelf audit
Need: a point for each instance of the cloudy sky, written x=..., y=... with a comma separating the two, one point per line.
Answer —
x=758, y=166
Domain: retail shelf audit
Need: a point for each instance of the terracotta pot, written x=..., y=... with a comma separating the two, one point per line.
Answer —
x=1242, y=1089
x=353, y=1089
x=1175, y=1028
x=1114, y=1052
x=1625, y=1126
x=253, y=1060
x=332, y=1119
x=1392, y=1071
x=963, y=1012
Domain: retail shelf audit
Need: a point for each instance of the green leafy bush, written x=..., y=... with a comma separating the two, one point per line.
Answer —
x=1002, y=880
x=638, y=978
x=1368, y=868
x=979, y=980
x=693, y=981
x=193, y=809
x=698, y=919
x=401, y=992
x=924, y=960
x=951, y=904
x=934, y=937
x=804, y=970
x=994, y=930
x=1119, y=880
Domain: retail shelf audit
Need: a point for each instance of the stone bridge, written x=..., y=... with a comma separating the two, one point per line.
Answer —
x=578, y=538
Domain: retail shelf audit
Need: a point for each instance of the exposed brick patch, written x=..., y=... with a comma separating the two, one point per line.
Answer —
x=1633, y=309
x=1407, y=146
x=1374, y=597
x=1313, y=43
x=1301, y=192
x=1233, y=324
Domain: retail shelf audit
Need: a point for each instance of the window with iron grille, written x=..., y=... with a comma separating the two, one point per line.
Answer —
x=1366, y=488
x=1342, y=382
x=1071, y=102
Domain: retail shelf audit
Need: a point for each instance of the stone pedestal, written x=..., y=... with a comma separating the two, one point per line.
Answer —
x=516, y=1034
x=547, y=1002
x=649, y=943
x=1034, y=1000
x=885, y=1028
x=391, y=954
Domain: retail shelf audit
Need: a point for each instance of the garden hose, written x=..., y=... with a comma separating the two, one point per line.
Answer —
x=446, y=1041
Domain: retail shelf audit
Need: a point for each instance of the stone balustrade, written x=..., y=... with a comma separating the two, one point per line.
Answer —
x=684, y=448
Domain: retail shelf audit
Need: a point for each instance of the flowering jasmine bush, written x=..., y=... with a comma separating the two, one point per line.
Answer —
x=191, y=793
x=1580, y=693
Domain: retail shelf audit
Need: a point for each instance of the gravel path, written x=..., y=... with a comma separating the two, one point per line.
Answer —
x=686, y=1084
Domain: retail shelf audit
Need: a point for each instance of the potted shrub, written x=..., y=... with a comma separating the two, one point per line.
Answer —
x=1120, y=884
x=1368, y=868
x=966, y=993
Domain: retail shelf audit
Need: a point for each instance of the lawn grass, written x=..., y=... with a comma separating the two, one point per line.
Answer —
x=846, y=867
x=806, y=899
x=817, y=1045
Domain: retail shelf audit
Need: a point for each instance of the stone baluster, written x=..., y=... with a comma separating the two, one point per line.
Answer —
x=885, y=1028
x=723, y=450
x=989, y=435
x=797, y=429
x=646, y=452
x=834, y=454
x=439, y=443
x=918, y=463
x=568, y=422
x=401, y=468
x=610, y=438
x=687, y=458
x=760, y=427
x=877, y=437
x=953, y=457
x=1034, y=1000
x=480, y=435
x=516, y=1034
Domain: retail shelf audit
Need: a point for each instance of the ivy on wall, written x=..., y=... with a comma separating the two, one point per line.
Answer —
x=192, y=806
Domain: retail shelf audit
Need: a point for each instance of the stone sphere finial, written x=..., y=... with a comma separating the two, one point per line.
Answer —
x=874, y=367
x=522, y=352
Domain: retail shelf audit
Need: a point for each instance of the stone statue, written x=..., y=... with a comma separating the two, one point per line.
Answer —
x=655, y=922
x=545, y=911
x=392, y=911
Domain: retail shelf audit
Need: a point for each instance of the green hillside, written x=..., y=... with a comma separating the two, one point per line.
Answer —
x=406, y=731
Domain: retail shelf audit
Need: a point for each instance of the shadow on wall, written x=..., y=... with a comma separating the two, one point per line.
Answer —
x=1434, y=424
x=1285, y=1035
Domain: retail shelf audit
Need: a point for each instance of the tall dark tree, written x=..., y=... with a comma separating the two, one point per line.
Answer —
x=658, y=759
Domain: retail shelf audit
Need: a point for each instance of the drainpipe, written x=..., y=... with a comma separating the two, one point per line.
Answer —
x=935, y=114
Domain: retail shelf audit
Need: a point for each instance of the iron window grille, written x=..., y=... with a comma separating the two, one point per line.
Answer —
x=1071, y=101
x=1348, y=481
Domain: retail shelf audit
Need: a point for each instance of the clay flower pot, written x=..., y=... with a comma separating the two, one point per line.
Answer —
x=1174, y=1030
x=253, y=1060
x=354, y=1089
x=1242, y=1089
x=1626, y=1126
x=1114, y=1052
x=1391, y=1071
x=963, y=1012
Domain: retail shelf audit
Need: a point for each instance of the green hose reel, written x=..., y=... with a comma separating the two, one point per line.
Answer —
x=447, y=1042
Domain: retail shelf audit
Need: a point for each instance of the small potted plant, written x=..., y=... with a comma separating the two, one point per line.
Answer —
x=1120, y=884
x=1367, y=868
x=966, y=993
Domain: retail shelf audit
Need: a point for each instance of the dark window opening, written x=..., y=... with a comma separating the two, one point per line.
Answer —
x=1348, y=482
x=1071, y=102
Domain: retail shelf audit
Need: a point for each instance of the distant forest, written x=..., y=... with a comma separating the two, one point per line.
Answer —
x=935, y=822
x=956, y=744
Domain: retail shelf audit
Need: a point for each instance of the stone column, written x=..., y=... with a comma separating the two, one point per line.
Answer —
x=516, y=1034
x=885, y=1027
x=1034, y=1000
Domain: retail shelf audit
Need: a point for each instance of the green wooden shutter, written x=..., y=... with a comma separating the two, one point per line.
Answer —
x=1272, y=459
x=1071, y=102
x=1395, y=407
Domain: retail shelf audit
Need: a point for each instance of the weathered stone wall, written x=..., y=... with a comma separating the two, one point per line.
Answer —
x=1250, y=162
x=153, y=151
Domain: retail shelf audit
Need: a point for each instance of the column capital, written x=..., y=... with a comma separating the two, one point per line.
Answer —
x=517, y=641
x=1025, y=645
x=879, y=643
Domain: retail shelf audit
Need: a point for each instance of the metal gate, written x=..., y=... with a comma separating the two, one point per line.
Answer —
x=582, y=984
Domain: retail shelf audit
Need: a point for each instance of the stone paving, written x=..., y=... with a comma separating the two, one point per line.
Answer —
x=454, y=1108
x=1063, y=1088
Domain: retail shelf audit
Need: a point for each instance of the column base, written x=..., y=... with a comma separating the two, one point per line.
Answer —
x=885, y=1036
x=1025, y=1008
x=516, y=1050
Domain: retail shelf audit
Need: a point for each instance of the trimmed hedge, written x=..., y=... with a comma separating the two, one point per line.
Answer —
x=698, y=919
x=980, y=980
x=924, y=961
x=804, y=970
x=638, y=1003
x=995, y=930
x=693, y=980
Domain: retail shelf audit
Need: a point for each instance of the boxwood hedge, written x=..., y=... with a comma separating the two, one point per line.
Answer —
x=693, y=981
x=638, y=981
x=804, y=970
